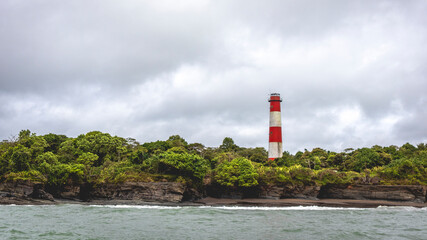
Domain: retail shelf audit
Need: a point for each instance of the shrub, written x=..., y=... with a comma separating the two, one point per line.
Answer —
x=31, y=175
x=273, y=175
x=301, y=174
x=62, y=173
x=238, y=173
x=328, y=176
x=190, y=165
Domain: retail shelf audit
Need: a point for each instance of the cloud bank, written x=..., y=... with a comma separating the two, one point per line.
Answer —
x=351, y=73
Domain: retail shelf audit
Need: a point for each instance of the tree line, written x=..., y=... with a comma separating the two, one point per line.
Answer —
x=97, y=157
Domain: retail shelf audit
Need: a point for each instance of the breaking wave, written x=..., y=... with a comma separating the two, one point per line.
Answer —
x=255, y=208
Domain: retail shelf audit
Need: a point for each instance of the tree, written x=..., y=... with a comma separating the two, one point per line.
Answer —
x=196, y=148
x=20, y=159
x=393, y=151
x=407, y=149
x=228, y=145
x=37, y=145
x=238, y=173
x=300, y=174
x=139, y=155
x=101, y=144
x=47, y=157
x=157, y=146
x=53, y=142
x=183, y=163
x=258, y=154
x=286, y=160
x=365, y=158
x=23, y=135
x=87, y=159
x=177, y=141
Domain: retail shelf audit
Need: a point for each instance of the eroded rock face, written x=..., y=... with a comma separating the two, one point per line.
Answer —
x=70, y=192
x=23, y=192
x=304, y=192
x=40, y=193
x=271, y=192
x=376, y=192
x=18, y=188
x=152, y=191
x=289, y=191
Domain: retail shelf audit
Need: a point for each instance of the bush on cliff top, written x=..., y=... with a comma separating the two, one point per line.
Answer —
x=100, y=157
x=238, y=173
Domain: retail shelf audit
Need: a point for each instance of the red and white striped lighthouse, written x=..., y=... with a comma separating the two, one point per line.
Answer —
x=275, y=135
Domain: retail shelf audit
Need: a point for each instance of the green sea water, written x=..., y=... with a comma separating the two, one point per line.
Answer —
x=72, y=221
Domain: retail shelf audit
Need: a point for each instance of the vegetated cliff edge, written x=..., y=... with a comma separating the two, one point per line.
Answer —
x=99, y=167
x=25, y=192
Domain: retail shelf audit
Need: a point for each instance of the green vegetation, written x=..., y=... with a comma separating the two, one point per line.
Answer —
x=97, y=157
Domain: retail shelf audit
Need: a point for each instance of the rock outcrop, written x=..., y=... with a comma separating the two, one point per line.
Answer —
x=18, y=188
x=40, y=193
x=151, y=191
x=25, y=192
x=412, y=193
x=289, y=191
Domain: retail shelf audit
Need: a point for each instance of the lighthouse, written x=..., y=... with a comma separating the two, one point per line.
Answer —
x=275, y=134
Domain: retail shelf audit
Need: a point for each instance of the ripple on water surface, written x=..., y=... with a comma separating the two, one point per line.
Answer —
x=209, y=222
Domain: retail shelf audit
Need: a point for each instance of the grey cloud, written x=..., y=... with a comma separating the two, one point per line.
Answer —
x=74, y=43
x=351, y=73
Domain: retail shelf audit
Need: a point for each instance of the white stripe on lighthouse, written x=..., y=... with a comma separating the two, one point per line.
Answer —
x=275, y=119
x=275, y=150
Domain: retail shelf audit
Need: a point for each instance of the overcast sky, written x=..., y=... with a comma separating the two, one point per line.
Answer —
x=351, y=73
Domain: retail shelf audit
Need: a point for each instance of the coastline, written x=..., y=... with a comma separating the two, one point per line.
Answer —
x=290, y=202
x=177, y=194
x=210, y=201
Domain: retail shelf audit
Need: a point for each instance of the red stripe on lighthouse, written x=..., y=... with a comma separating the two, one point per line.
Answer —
x=274, y=106
x=275, y=98
x=275, y=134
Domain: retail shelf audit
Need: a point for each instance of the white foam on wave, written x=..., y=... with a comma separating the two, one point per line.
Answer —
x=138, y=206
x=406, y=208
x=19, y=205
x=255, y=208
x=249, y=208
x=293, y=208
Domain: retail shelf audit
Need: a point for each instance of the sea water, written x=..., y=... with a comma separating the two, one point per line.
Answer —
x=72, y=221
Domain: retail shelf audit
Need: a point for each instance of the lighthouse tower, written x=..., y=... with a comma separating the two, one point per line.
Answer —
x=275, y=134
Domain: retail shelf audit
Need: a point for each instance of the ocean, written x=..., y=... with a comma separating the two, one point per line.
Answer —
x=73, y=221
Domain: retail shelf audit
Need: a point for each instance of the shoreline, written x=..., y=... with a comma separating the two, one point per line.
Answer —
x=177, y=194
x=216, y=202
x=290, y=202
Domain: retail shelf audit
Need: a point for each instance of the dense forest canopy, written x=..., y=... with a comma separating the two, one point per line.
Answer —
x=97, y=157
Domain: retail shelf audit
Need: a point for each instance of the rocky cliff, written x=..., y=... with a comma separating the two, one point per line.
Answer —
x=404, y=193
x=376, y=192
x=24, y=192
x=152, y=191
x=21, y=192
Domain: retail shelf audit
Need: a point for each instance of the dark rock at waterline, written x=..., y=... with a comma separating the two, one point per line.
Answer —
x=264, y=192
x=18, y=188
x=172, y=192
x=40, y=193
x=410, y=193
x=25, y=192
x=218, y=191
x=152, y=191
x=289, y=191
